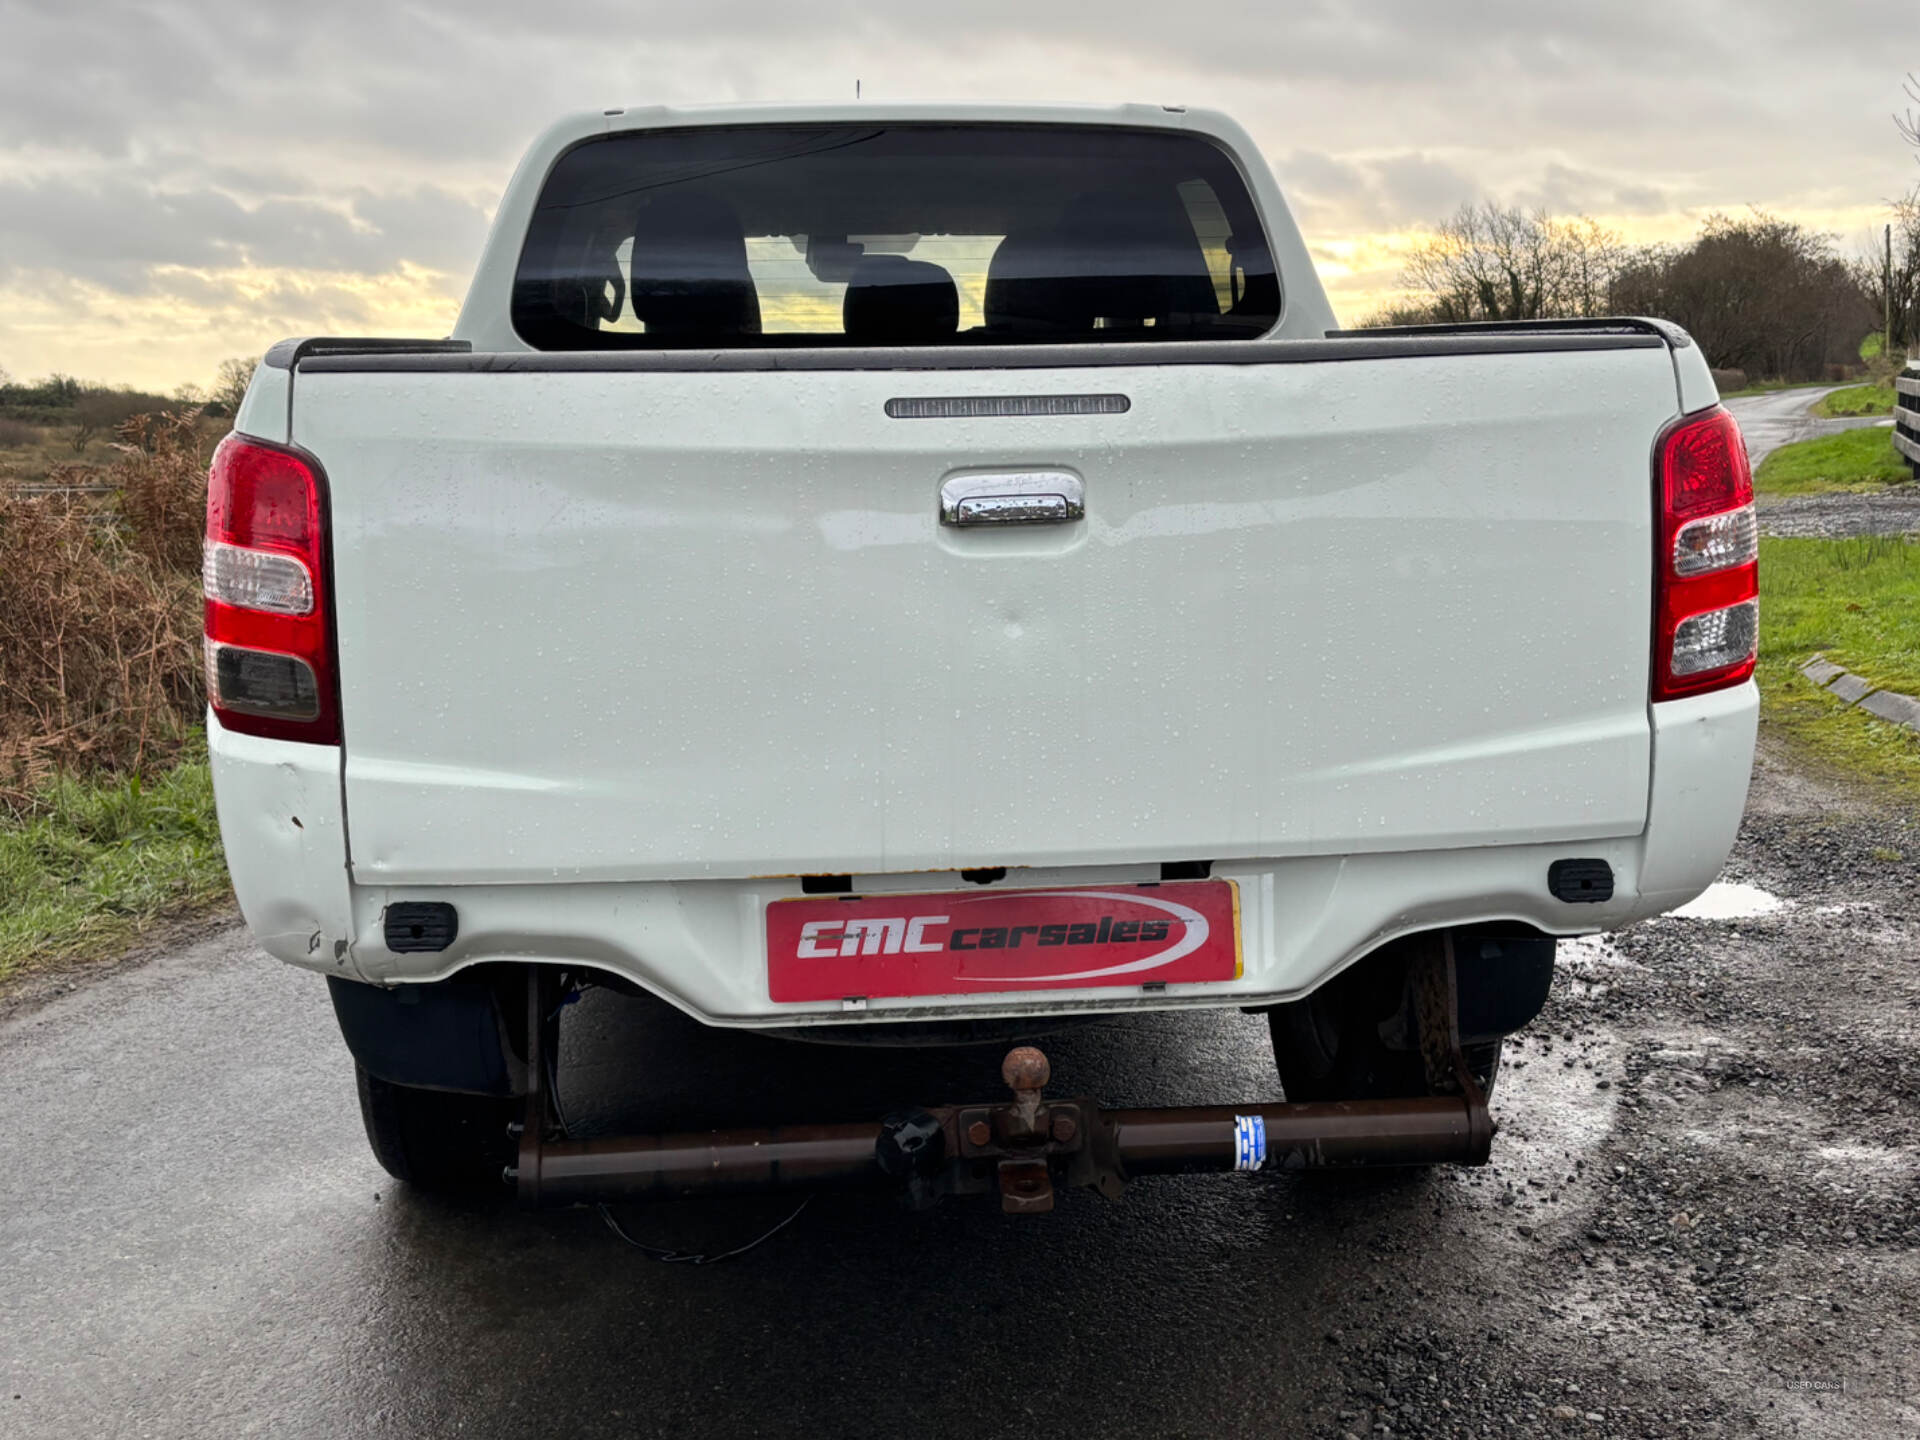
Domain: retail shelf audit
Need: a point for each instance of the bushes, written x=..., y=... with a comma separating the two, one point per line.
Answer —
x=99, y=616
x=1757, y=293
x=54, y=400
x=162, y=482
x=1761, y=295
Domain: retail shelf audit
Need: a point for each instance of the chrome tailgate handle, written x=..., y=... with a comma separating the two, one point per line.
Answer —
x=1013, y=497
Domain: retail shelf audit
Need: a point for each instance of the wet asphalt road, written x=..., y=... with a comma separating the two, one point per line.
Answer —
x=1702, y=1210
x=1785, y=416
x=196, y=1242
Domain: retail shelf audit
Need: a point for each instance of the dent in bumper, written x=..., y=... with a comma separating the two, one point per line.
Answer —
x=286, y=840
x=1702, y=762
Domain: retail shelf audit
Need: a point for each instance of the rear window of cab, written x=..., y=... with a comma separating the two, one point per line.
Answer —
x=821, y=235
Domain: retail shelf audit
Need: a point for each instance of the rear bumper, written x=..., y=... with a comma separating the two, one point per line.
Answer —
x=699, y=943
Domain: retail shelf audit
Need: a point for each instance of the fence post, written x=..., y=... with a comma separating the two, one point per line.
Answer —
x=1906, y=414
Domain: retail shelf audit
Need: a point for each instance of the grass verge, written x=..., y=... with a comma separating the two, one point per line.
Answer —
x=100, y=860
x=1859, y=602
x=1856, y=400
x=1769, y=387
x=1853, y=460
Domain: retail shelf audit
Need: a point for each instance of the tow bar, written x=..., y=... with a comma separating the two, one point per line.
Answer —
x=1025, y=1147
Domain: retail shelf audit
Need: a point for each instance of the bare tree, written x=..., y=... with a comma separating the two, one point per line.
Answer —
x=1587, y=257
x=230, y=383
x=1908, y=124
x=1871, y=272
x=1494, y=263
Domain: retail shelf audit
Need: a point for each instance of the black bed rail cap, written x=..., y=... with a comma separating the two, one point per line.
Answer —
x=1347, y=346
x=289, y=353
x=1599, y=325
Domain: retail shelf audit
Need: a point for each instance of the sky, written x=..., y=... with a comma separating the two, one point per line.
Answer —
x=184, y=182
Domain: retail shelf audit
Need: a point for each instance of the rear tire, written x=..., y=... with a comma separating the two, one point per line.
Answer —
x=1353, y=1039
x=436, y=1141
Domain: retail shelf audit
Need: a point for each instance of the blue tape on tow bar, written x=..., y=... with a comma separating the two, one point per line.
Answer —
x=1249, y=1142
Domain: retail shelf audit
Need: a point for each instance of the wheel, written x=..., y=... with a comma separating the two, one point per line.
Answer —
x=1353, y=1039
x=434, y=1140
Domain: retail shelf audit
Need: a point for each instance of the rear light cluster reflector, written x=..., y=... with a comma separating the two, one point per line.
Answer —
x=1707, y=578
x=269, y=643
x=1719, y=542
x=260, y=682
x=256, y=579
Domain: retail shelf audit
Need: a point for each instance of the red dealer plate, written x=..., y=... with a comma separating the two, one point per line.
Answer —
x=950, y=943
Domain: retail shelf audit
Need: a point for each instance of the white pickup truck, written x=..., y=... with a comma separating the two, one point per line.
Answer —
x=940, y=566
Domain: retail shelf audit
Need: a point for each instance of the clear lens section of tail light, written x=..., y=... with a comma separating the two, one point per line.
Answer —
x=1718, y=542
x=1717, y=639
x=260, y=682
x=256, y=579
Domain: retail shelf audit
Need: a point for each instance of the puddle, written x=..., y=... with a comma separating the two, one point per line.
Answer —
x=1725, y=900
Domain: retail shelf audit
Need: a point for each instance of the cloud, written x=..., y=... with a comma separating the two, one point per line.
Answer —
x=116, y=230
x=143, y=140
x=1376, y=192
x=1569, y=190
x=184, y=322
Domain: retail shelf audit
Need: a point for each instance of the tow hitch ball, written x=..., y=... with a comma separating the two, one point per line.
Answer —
x=1024, y=1148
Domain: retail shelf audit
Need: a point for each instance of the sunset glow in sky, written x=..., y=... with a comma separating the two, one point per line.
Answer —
x=180, y=183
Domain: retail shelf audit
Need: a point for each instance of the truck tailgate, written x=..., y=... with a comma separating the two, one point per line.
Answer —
x=641, y=624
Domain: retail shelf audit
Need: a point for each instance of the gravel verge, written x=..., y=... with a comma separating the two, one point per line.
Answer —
x=1841, y=516
x=1710, y=1166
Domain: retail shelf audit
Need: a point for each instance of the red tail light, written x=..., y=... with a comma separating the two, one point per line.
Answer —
x=270, y=662
x=1707, y=569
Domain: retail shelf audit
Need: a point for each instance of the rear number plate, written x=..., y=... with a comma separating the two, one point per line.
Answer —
x=961, y=943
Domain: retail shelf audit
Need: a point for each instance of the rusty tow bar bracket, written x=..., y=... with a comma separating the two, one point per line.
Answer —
x=1435, y=980
x=1025, y=1148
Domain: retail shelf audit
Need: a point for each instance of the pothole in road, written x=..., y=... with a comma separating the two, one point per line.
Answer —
x=1591, y=965
x=1555, y=1105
